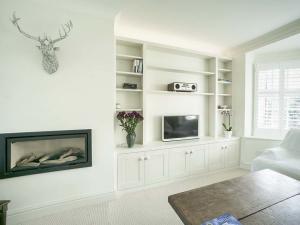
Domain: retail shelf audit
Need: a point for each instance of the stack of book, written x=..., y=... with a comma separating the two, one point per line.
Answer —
x=137, y=66
x=225, y=219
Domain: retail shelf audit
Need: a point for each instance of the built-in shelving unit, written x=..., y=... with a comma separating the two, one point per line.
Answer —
x=127, y=52
x=224, y=82
x=224, y=110
x=225, y=70
x=177, y=70
x=129, y=110
x=163, y=65
x=224, y=91
x=225, y=95
x=180, y=93
x=128, y=57
x=129, y=90
x=125, y=73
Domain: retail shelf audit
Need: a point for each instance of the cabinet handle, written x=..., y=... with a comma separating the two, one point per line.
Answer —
x=186, y=153
x=146, y=158
x=191, y=152
x=141, y=159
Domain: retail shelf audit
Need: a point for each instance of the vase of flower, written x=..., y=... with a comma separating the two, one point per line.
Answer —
x=130, y=138
x=129, y=121
x=227, y=134
x=227, y=127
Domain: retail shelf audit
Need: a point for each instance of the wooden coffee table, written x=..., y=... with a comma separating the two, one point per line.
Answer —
x=249, y=196
x=286, y=212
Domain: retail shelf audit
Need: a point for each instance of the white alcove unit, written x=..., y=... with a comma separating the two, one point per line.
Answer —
x=224, y=93
x=151, y=160
x=128, y=99
x=159, y=163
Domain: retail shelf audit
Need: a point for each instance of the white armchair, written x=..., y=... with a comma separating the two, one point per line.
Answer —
x=284, y=159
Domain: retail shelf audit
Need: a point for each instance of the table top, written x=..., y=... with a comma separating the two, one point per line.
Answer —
x=285, y=212
x=240, y=197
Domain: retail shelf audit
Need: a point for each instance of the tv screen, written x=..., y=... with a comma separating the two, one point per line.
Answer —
x=179, y=127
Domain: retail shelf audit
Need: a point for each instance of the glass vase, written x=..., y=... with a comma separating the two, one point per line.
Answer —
x=130, y=138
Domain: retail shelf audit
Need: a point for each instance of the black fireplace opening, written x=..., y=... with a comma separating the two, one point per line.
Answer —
x=40, y=152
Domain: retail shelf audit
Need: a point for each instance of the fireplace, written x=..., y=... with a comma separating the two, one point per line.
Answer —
x=40, y=152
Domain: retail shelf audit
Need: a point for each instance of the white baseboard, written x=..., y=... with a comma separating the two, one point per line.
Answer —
x=29, y=213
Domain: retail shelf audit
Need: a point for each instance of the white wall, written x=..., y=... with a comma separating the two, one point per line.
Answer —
x=79, y=95
x=238, y=94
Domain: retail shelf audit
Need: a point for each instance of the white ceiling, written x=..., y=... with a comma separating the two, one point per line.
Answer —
x=212, y=24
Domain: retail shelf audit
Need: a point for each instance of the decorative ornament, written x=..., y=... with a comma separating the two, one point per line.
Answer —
x=50, y=62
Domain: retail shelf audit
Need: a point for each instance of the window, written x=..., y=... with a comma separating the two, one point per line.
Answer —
x=277, y=99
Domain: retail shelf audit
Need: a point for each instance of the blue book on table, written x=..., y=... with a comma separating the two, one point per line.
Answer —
x=225, y=219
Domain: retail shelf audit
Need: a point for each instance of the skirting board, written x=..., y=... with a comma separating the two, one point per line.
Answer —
x=30, y=213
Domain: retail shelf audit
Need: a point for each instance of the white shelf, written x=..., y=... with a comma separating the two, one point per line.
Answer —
x=158, y=145
x=177, y=70
x=224, y=109
x=124, y=73
x=129, y=110
x=128, y=57
x=224, y=82
x=225, y=95
x=225, y=70
x=224, y=59
x=181, y=93
x=129, y=90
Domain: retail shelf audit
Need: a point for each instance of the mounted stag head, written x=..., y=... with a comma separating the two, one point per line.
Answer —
x=46, y=46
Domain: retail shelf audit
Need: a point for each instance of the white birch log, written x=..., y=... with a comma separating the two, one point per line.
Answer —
x=30, y=164
x=27, y=159
x=60, y=161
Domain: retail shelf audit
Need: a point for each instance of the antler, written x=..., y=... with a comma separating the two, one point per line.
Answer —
x=15, y=20
x=67, y=26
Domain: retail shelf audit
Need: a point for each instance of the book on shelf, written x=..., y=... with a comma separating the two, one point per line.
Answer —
x=137, y=66
x=225, y=219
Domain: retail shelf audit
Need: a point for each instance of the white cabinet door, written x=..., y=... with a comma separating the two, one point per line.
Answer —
x=216, y=156
x=156, y=166
x=178, y=162
x=232, y=154
x=130, y=170
x=198, y=159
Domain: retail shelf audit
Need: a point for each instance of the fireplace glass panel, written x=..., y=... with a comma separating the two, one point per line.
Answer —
x=33, y=154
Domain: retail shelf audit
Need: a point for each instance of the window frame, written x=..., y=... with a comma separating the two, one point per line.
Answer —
x=280, y=132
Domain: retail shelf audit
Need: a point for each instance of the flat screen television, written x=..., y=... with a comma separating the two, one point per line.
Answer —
x=180, y=127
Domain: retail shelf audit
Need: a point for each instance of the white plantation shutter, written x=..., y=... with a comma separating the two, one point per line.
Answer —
x=292, y=79
x=268, y=112
x=277, y=99
x=268, y=80
x=268, y=98
x=292, y=96
x=292, y=112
